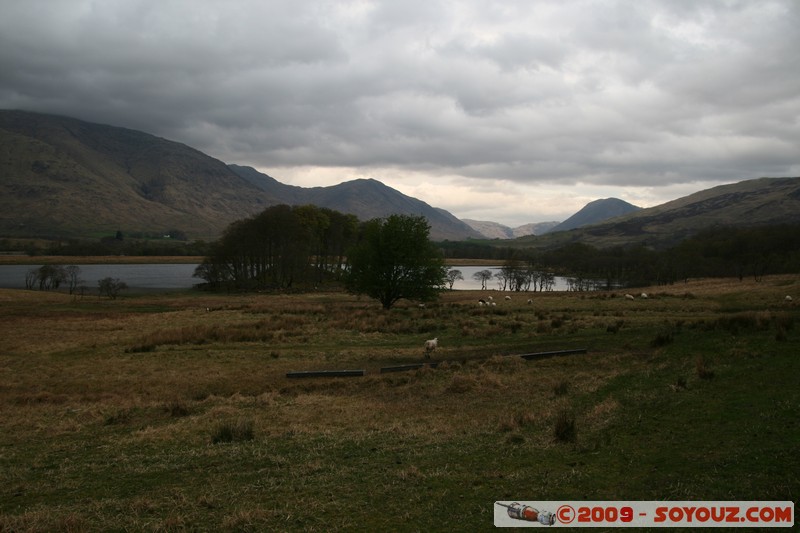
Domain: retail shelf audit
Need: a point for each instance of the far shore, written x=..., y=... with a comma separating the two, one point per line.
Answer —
x=159, y=259
x=98, y=259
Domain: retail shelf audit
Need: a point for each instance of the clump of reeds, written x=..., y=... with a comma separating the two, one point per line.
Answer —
x=248, y=520
x=564, y=429
x=516, y=421
x=176, y=409
x=561, y=388
x=664, y=337
x=703, y=371
x=233, y=431
x=515, y=438
x=680, y=384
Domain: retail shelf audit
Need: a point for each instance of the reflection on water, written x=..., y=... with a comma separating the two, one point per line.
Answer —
x=178, y=276
x=158, y=276
x=469, y=283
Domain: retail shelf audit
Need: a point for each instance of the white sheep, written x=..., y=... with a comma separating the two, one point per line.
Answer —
x=629, y=297
x=643, y=296
x=481, y=302
x=788, y=298
x=508, y=298
x=530, y=301
x=430, y=346
x=490, y=298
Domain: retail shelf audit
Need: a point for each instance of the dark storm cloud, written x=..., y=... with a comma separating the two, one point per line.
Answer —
x=605, y=92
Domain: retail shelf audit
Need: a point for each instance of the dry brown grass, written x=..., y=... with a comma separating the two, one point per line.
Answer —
x=72, y=373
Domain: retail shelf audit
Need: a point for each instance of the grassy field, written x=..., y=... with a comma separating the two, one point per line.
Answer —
x=173, y=411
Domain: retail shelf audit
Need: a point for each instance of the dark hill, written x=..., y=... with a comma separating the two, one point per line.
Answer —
x=597, y=211
x=757, y=202
x=365, y=198
x=62, y=177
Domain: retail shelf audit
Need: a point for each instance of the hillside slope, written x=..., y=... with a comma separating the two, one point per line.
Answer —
x=597, y=211
x=61, y=177
x=757, y=202
x=365, y=198
x=65, y=177
x=495, y=230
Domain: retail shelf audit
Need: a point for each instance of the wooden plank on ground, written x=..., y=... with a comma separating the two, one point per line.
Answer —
x=324, y=373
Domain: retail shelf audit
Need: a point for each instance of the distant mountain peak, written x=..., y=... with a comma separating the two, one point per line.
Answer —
x=70, y=178
x=367, y=198
x=597, y=211
x=495, y=230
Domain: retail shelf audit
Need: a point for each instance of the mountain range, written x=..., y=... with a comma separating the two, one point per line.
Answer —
x=749, y=203
x=592, y=213
x=365, y=198
x=495, y=230
x=61, y=177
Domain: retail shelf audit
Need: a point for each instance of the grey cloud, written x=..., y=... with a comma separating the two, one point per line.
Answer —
x=610, y=92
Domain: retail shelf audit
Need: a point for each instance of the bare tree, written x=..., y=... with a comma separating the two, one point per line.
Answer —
x=73, y=277
x=111, y=287
x=46, y=277
x=453, y=276
x=483, y=276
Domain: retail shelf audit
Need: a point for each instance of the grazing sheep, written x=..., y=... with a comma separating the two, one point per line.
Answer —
x=788, y=298
x=490, y=298
x=493, y=304
x=430, y=346
x=530, y=301
x=508, y=298
x=629, y=297
x=421, y=306
x=643, y=296
x=481, y=302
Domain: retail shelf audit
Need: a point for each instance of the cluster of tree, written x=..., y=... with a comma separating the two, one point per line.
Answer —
x=111, y=245
x=289, y=246
x=51, y=277
x=470, y=249
x=279, y=248
x=111, y=287
x=517, y=276
x=716, y=252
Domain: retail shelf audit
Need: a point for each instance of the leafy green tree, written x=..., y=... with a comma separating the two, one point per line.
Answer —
x=395, y=259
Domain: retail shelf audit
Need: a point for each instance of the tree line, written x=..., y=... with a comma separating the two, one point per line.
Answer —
x=716, y=252
x=118, y=244
x=280, y=248
x=286, y=247
x=52, y=277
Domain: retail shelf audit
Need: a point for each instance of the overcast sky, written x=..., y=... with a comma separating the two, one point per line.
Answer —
x=511, y=111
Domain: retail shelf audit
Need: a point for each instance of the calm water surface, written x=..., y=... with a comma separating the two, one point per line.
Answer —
x=172, y=276
x=157, y=276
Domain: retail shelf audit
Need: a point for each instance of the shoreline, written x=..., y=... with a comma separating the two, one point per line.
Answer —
x=160, y=259
x=100, y=259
